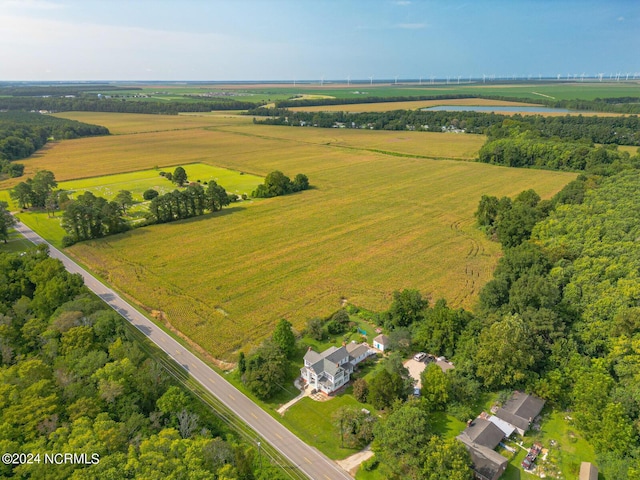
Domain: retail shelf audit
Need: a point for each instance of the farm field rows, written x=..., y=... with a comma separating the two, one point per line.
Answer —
x=423, y=144
x=120, y=124
x=372, y=224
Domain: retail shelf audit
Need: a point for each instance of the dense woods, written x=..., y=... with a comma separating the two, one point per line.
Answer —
x=515, y=143
x=73, y=379
x=567, y=297
x=21, y=134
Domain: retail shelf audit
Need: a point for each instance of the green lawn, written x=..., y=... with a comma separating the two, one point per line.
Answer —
x=47, y=227
x=445, y=425
x=16, y=243
x=108, y=186
x=313, y=421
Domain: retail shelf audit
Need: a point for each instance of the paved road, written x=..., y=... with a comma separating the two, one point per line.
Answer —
x=313, y=463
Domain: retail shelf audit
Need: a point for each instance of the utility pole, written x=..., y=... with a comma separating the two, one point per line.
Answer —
x=260, y=456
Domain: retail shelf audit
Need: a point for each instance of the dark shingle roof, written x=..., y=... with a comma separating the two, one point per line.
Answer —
x=486, y=462
x=520, y=410
x=484, y=432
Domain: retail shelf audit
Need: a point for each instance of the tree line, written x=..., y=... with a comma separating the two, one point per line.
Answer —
x=14, y=90
x=121, y=105
x=190, y=202
x=623, y=130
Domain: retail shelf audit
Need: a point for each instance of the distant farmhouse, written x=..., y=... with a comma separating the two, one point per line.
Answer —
x=483, y=434
x=331, y=369
x=381, y=342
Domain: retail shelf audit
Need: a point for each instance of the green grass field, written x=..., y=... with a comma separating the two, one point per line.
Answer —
x=108, y=187
x=15, y=243
x=373, y=223
x=313, y=421
x=533, y=89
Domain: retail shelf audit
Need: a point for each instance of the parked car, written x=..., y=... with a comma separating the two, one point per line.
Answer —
x=418, y=357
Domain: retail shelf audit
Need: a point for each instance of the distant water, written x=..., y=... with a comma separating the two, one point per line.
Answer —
x=489, y=108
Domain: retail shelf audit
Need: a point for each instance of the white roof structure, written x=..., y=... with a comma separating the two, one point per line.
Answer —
x=506, y=427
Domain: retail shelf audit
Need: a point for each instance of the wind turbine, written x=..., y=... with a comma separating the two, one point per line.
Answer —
x=582, y=77
x=484, y=78
x=627, y=76
x=558, y=77
x=432, y=79
x=321, y=81
x=348, y=80
x=600, y=76
x=420, y=82
x=396, y=82
x=459, y=77
x=371, y=80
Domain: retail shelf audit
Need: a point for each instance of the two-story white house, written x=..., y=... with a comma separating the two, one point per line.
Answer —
x=331, y=369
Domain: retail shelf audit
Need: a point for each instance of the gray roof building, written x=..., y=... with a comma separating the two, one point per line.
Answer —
x=487, y=463
x=483, y=432
x=520, y=410
x=331, y=369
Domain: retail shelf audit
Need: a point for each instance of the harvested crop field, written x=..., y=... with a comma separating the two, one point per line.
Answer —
x=372, y=224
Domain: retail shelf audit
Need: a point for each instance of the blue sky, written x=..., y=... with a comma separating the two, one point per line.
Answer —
x=301, y=39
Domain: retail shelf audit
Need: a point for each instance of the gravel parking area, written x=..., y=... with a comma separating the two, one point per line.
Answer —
x=415, y=369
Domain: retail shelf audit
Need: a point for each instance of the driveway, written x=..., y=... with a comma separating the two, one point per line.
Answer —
x=415, y=369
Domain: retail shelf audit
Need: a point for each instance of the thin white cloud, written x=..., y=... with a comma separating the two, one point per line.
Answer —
x=411, y=26
x=402, y=3
x=30, y=46
x=621, y=19
x=31, y=5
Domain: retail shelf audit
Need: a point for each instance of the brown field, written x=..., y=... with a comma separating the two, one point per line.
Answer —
x=372, y=224
x=410, y=105
x=140, y=123
x=628, y=148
